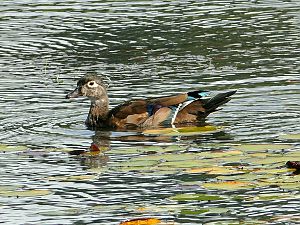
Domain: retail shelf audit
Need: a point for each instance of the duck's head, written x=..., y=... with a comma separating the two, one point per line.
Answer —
x=90, y=86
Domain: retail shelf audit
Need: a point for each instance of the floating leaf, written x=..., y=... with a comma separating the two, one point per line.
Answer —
x=269, y=197
x=204, y=210
x=295, y=154
x=262, y=147
x=183, y=131
x=167, y=157
x=196, y=197
x=290, y=136
x=185, y=164
x=135, y=163
x=249, y=177
x=219, y=154
x=275, y=171
x=229, y=185
x=217, y=210
x=214, y=170
x=9, y=148
x=24, y=193
x=125, y=151
x=4, y=188
x=193, y=212
x=289, y=186
x=270, y=160
x=142, y=221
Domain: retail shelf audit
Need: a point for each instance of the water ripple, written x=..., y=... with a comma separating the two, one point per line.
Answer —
x=145, y=49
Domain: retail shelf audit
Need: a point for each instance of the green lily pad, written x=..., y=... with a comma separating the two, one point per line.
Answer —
x=217, y=210
x=214, y=170
x=220, y=154
x=269, y=197
x=163, y=149
x=193, y=211
x=161, y=171
x=125, y=151
x=10, y=148
x=295, y=154
x=283, y=180
x=249, y=177
x=196, y=197
x=229, y=185
x=183, y=131
x=185, y=164
x=134, y=163
x=289, y=186
x=262, y=147
x=290, y=136
x=24, y=193
x=146, y=149
x=270, y=160
x=168, y=157
x=275, y=171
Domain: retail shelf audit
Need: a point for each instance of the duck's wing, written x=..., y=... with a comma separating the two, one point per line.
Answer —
x=199, y=109
x=151, y=111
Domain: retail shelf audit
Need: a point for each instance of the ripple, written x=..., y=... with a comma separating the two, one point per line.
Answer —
x=146, y=49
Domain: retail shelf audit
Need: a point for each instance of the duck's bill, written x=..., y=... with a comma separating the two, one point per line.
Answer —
x=73, y=94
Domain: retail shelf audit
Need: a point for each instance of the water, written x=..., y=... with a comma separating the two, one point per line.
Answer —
x=145, y=49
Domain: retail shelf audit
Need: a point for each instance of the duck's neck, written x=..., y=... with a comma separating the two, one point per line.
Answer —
x=98, y=115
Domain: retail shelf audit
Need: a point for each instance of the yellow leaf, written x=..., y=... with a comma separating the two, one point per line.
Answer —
x=183, y=131
x=229, y=185
x=213, y=170
x=141, y=221
x=24, y=193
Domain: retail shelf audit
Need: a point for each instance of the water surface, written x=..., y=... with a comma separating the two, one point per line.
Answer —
x=144, y=49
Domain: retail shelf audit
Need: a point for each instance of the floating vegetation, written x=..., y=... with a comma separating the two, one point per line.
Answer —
x=262, y=147
x=24, y=193
x=229, y=185
x=183, y=131
x=9, y=148
x=142, y=221
x=290, y=136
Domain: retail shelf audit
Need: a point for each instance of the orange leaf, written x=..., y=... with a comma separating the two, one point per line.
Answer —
x=141, y=221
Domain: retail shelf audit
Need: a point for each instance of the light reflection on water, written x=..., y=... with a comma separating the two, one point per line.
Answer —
x=145, y=49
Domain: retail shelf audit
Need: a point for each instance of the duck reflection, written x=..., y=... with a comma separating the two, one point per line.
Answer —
x=97, y=155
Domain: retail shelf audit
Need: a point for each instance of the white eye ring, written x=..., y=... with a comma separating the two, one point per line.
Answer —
x=92, y=84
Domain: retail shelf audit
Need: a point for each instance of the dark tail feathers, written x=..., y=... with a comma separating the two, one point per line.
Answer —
x=212, y=104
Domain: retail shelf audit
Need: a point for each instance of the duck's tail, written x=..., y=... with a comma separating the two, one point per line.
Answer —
x=212, y=104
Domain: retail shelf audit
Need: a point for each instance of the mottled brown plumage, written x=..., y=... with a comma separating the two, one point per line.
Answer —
x=183, y=108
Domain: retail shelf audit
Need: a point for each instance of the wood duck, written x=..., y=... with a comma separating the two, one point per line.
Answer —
x=184, y=108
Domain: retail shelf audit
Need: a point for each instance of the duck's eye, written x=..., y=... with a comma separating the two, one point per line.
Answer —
x=92, y=84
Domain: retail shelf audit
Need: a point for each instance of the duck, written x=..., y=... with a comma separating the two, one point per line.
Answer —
x=183, y=108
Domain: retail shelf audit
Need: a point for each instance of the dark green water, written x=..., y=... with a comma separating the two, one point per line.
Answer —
x=146, y=49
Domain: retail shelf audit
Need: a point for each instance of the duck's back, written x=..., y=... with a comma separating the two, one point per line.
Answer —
x=177, y=109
